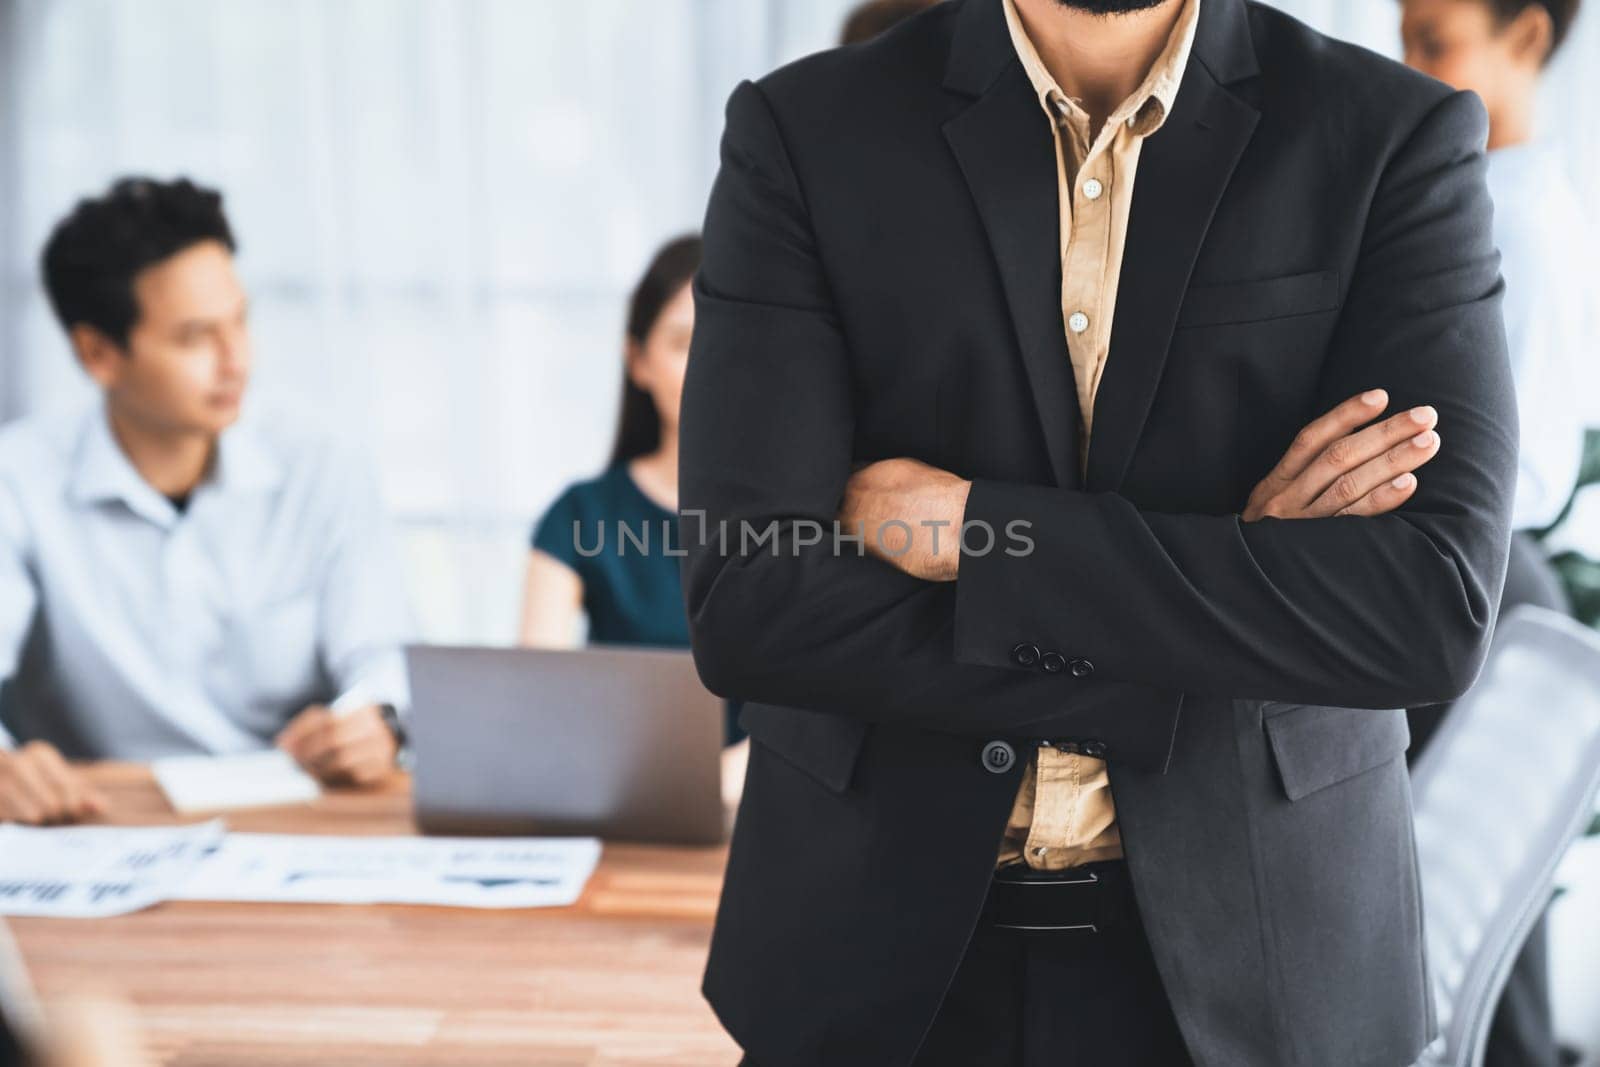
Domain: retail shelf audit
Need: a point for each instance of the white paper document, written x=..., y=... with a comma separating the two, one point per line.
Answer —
x=220, y=783
x=504, y=872
x=95, y=871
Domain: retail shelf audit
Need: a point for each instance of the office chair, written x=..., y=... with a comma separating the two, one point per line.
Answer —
x=1500, y=792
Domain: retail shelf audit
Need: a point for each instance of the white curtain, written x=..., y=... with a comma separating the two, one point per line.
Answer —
x=441, y=207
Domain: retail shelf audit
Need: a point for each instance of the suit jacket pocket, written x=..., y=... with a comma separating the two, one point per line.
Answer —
x=1268, y=298
x=1316, y=746
x=823, y=745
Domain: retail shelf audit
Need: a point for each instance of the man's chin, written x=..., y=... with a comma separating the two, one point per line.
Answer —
x=1109, y=7
x=218, y=416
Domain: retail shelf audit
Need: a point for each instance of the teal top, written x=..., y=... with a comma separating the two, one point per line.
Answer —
x=617, y=540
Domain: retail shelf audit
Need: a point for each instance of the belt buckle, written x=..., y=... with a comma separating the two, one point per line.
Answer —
x=1087, y=878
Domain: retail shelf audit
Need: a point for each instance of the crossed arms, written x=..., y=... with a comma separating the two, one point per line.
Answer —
x=1371, y=609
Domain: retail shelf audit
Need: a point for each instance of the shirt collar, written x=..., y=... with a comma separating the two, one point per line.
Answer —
x=246, y=462
x=1529, y=155
x=1147, y=108
x=103, y=471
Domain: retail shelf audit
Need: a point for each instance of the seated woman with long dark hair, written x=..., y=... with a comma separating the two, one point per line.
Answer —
x=580, y=565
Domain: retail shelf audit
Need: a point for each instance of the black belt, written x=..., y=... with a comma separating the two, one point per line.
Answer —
x=1093, y=898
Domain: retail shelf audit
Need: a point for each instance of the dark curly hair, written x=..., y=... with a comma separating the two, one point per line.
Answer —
x=1562, y=13
x=867, y=20
x=95, y=253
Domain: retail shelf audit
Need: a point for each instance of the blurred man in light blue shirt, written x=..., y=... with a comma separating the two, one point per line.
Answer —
x=173, y=580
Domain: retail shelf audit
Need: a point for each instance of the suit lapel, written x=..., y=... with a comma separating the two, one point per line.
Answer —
x=1183, y=170
x=1006, y=152
x=1003, y=144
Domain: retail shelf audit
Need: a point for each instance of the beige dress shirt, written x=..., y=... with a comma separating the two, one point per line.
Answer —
x=1063, y=815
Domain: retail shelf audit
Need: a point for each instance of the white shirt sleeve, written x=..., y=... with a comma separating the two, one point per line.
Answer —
x=18, y=597
x=366, y=617
x=1541, y=311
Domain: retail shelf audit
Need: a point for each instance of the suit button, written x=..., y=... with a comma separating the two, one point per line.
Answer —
x=998, y=757
x=1094, y=749
x=1053, y=662
x=1025, y=655
x=1082, y=668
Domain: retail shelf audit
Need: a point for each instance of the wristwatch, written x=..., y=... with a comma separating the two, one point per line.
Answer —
x=402, y=747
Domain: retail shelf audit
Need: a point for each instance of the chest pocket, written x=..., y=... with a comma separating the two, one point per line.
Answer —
x=1316, y=746
x=1255, y=301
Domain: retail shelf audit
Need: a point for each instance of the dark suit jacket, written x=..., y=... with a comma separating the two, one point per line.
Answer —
x=881, y=278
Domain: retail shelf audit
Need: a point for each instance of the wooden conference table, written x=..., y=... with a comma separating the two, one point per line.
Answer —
x=612, y=980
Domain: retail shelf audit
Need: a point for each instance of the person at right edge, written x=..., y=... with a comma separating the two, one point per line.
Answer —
x=1499, y=50
x=1189, y=318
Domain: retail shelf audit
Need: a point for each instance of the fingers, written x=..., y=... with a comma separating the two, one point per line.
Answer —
x=79, y=800
x=303, y=726
x=37, y=787
x=1353, y=487
x=1385, y=498
x=18, y=804
x=366, y=762
x=1350, y=452
x=352, y=748
x=311, y=744
x=46, y=801
x=1333, y=466
x=1318, y=434
x=360, y=762
x=1346, y=454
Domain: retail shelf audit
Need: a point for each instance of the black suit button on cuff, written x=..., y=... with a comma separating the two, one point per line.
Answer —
x=1053, y=662
x=998, y=757
x=1082, y=668
x=1025, y=655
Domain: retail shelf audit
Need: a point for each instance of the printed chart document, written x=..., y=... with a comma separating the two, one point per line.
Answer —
x=463, y=872
x=94, y=871
x=220, y=783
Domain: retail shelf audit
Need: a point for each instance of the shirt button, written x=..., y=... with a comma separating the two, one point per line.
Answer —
x=998, y=757
x=1092, y=189
x=1078, y=322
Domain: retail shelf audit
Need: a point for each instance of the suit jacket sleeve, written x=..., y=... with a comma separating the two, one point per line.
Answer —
x=767, y=436
x=1361, y=612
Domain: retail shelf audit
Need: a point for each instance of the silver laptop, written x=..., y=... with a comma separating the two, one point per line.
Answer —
x=617, y=743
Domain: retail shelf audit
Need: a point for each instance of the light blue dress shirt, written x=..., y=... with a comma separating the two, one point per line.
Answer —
x=1540, y=228
x=129, y=630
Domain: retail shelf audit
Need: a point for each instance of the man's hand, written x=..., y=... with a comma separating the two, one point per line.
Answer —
x=37, y=787
x=350, y=748
x=929, y=502
x=1332, y=468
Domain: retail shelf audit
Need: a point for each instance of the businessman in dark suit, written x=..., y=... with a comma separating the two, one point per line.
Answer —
x=1187, y=318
